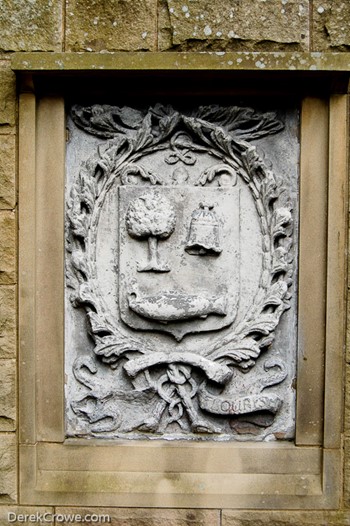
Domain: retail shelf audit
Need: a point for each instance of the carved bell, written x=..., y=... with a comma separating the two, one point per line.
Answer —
x=204, y=237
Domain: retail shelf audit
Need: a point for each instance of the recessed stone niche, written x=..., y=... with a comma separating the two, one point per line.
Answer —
x=181, y=272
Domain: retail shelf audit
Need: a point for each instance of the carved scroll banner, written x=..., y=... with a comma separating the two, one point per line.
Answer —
x=181, y=273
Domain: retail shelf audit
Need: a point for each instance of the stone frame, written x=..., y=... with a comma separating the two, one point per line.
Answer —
x=277, y=475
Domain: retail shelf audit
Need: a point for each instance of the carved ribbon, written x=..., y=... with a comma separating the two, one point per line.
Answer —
x=221, y=405
x=214, y=371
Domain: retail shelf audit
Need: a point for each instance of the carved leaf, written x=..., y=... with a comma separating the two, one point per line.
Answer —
x=265, y=324
x=276, y=294
x=106, y=121
x=244, y=123
x=281, y=218
x=245, y=350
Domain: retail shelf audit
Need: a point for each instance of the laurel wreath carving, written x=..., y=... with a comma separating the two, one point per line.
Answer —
x=224, y=133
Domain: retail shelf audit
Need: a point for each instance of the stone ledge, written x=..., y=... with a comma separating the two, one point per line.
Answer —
x=276, y=61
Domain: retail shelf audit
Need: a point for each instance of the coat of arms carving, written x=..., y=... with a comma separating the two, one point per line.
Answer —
x=180, y=267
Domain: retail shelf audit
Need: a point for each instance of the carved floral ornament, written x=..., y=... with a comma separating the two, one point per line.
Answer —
x=177, y=352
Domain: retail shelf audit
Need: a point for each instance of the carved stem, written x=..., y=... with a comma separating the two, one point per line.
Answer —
x=153, y=252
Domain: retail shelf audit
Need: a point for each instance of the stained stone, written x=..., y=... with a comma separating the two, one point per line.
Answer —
x=7, y=94
x=7, y=395
x=7, y=171
x=7, y=321
x=347, y=472
x=181, y=299
x=253, y=24
x=151, y=517
x=331, y=25
x=285, y=518
x=165, y=39
x=115, y=25
x=7, y=248
x=31, y=26
x=8, y=468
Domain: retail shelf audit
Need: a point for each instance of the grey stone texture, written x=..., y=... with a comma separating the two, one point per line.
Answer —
x=180, y=259
x=116, y=25
x=34, y=25
x=226, y=25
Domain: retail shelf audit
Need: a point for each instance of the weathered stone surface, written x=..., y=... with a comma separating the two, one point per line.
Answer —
x=8, y=468
x=347, y=400
x=7, y=247
x=7, y=171
x=149, y=517
x=7, y=321
x=31, y=26
x=110, y=26
x=347, y=472
x=165, y=39
x=186, y=261
x=7, y=93
x=7, y=395
x=331, y=25
x=17, y=515
x=253, y=24
x=285, y=518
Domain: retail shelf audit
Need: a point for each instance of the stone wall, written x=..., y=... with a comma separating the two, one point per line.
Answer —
x=142, y=25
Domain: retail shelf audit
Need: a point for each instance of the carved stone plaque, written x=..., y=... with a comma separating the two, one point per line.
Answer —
x=181, y=272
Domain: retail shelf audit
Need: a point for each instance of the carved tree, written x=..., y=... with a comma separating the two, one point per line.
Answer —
x=151, y=217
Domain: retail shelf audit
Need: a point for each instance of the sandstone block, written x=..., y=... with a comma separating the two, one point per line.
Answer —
x=16, y=514
x=347, y=472
x=7, y=247
x=7, y=171
x=285, y=518
x=7, y=321
x=347, y=400
x=8, y=468
x=331, y=25
x=111, y=26
x=7, y=395
x=31, y=26
x=253, y=24
x=165, y=39
x=7, y=92
x=150, y=517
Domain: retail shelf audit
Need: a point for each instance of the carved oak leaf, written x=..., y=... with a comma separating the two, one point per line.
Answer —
x=106, y=121
x=243, y=123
